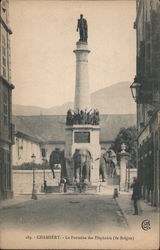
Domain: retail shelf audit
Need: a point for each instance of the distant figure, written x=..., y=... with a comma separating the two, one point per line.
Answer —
x=45, y=185
x=83, y=29
x=115, y=194
x=65, y=185
x=136, y=195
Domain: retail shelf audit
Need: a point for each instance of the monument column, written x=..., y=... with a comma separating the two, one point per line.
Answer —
x=82, y=93
x=82, y=123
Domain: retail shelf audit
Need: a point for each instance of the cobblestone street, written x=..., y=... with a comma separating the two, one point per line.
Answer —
x=86, y=221
x=81, y=213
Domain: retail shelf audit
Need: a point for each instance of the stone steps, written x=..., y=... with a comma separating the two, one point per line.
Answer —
x=86, y=189
x=52, y=189
x=104, y=188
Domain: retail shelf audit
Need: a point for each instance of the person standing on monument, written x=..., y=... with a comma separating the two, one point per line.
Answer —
x=83, y=29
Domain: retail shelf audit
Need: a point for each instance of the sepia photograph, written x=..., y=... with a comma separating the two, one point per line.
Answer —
x=79, y=124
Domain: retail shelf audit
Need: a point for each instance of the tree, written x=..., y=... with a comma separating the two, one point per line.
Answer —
x=129, y=137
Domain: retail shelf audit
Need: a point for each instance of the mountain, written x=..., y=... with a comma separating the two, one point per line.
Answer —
x=115, y=99
x=26, y=110
x=34, y=110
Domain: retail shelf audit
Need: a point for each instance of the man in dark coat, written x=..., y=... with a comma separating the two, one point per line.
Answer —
x=136, y=194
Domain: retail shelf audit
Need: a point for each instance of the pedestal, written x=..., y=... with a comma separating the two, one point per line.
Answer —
x=124, y=157
x=85, y=137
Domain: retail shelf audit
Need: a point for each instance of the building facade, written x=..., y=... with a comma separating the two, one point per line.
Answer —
x=6, y=87
x=35, y=134
x=24, y=147
x=147, y=82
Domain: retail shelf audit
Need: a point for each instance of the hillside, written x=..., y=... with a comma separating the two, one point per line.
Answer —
x=115, y=99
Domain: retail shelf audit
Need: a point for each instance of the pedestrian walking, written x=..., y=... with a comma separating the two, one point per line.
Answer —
x=65, y=185
x=115, y=193
x=136, y=195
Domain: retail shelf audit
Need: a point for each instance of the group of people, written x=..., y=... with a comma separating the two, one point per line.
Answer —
x=83, y=117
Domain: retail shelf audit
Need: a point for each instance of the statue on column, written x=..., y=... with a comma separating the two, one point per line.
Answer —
x=83, y=117
x=69, y=118
x=83, y=29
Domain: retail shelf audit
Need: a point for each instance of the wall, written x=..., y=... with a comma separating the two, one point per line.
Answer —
x=148, y=108
x=23, y=180
x=5, y=104
x=23, y=150
x=5, y=67
x=50, y=147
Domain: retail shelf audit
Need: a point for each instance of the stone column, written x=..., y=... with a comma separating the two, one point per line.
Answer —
x=124, y=157
x=82, y=93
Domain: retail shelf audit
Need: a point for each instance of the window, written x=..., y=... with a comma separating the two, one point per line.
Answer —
x=5, y=108
x=4, y=59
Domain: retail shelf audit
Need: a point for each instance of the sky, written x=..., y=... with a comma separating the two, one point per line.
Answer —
x=44, y=37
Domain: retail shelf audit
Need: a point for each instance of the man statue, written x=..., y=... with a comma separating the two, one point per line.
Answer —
x=69, y=118
x=83, y=29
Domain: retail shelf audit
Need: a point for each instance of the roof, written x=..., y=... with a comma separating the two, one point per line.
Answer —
x=52, y=128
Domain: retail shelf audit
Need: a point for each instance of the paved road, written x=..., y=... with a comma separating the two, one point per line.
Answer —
x=78, y=213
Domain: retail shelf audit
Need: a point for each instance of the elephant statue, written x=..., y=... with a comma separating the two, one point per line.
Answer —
x=82, y=163
x=57, y=160
x=103, y=167
x=108, y=163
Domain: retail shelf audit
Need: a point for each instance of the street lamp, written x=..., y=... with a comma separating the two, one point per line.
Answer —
x=44, y=178
x=135, y=87
x=34, y=196
x=43, y=152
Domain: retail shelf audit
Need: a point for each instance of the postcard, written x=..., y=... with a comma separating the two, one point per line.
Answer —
x=80, y=124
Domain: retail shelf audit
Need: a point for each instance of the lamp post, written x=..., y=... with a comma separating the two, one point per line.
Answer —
x=34, y=196
x=135, y=87
x=44, y=177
